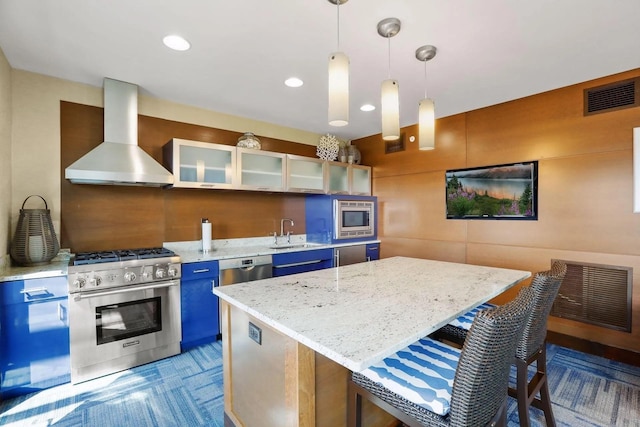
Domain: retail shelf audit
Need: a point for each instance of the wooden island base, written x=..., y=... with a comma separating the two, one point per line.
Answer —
x=282, y=382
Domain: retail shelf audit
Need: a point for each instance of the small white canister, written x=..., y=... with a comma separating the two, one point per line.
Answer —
x=206, y=235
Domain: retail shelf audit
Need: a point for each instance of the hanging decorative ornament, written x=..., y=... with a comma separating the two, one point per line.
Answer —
x=328, y=147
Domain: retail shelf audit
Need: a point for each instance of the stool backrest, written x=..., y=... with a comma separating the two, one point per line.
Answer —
x=482, y=377
x=545, y=286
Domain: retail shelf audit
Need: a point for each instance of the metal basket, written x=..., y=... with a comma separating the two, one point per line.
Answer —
x=35, y=241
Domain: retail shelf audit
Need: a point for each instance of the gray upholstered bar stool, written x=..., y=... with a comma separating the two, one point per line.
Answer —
x=531, y=346
x=467, y=388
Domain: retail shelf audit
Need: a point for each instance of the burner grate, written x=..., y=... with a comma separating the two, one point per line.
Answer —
x=82, y=258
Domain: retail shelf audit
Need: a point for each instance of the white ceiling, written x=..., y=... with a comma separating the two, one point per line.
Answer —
x=489, y=51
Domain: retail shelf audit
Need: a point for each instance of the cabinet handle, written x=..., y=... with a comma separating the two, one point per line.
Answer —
x=368, y=258
x=207, y=185
x=213, y=284
x=203, y=270
x=337, y=255
x=62, y=312
x=34, y=290
x=297, y=264
x=78, y=297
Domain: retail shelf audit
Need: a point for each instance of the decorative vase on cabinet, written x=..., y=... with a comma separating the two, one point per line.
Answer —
x=249, y=140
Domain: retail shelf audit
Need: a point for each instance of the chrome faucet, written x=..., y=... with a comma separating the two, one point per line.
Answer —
x=282, y=228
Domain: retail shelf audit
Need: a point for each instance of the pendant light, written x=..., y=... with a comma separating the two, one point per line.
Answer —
x=389, y=99
x=426, y=108
x=338, y=81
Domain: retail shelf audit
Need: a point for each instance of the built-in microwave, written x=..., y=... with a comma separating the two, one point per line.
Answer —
x=353, y=219
x=333, y=218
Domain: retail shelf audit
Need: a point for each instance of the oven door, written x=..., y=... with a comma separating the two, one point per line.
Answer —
x=120, y=328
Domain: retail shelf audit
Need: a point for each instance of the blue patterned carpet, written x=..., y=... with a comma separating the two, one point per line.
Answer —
x=587, y=391
x=186, y=390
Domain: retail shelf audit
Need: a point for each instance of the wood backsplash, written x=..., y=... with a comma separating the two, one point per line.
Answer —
x=103, y=217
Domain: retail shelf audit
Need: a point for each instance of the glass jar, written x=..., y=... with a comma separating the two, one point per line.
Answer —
x=342, y=155
x=249, y=140
x=353, y=155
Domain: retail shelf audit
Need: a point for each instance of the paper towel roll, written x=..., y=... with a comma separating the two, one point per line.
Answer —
x=206, y=235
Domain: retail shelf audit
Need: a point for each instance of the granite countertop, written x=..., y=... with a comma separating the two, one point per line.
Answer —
x=191, y=251
x=57, y=267
x=359, y=314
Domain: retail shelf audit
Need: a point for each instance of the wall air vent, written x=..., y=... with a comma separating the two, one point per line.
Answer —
x=596, y=294
x=612, y=97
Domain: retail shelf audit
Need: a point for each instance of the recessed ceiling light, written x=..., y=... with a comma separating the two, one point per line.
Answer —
x=176, y=42
x=293, y=82
x=367, y=107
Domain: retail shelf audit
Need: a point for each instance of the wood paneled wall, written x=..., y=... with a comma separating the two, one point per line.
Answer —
x=585, y=192
x=102, y=217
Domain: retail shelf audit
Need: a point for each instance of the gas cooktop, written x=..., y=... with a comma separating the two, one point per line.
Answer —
x=82, y=258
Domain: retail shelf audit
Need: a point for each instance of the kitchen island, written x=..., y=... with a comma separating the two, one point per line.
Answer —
x=289, y=343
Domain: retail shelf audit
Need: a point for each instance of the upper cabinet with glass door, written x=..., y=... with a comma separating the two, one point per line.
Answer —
x=260, y=170
x=305, y=174
x=360, y=180
x=343, y=178
x=337, y=178
x=197, y=164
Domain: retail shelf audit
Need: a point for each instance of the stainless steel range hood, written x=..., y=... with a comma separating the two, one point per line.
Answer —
x=118, y=160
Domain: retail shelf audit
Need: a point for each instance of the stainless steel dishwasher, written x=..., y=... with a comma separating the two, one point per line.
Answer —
x=238, y=270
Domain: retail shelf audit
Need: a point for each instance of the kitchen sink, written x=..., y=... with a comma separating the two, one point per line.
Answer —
x=293, y=246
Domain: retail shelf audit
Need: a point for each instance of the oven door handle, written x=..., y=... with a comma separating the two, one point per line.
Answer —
x=80, y=296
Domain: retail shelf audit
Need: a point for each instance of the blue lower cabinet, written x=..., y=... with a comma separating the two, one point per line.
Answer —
x=373, y=251
x=300, y=262
x=199, y=306
x=34, y=335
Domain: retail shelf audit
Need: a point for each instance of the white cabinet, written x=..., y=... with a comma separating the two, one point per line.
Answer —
x=305, y=174
x=337, y=178
x=197, y=164
x=200, y=164
x=345, y=178
x=360, y=180
x=260, y=170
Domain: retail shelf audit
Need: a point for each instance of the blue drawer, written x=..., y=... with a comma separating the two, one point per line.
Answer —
x=199, y=270
x=299, y=262
x=33, y=290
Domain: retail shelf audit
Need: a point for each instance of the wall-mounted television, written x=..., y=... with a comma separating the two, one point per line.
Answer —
x=508, y=191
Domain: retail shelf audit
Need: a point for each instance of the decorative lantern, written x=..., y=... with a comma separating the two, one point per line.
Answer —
x=35, y=241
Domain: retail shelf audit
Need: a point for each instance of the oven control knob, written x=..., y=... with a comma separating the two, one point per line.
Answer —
x=96, y=281
x=129, y=276
x=160, y=273
x=146, y=275
x=79, y=283
x=172, y=272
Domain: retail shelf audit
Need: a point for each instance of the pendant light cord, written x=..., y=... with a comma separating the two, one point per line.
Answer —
x=425, y=79
x=338, y=26
x=389, y=42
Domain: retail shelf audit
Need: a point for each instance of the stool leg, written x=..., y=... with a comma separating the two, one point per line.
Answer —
x=545, y=396
x=522, y=385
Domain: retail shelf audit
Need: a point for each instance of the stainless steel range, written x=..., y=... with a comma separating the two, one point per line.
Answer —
x=124, y=310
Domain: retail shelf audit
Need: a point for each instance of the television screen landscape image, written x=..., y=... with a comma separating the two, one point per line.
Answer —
x=507, y=191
